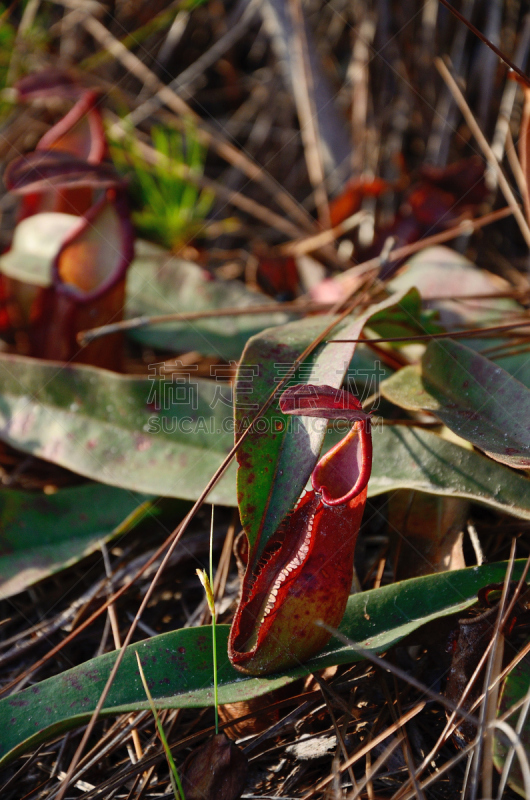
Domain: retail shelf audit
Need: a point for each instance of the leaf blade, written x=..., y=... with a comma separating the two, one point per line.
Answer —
x=44, y=534
x=104, y=437
x=180, y=663
x=473, y=396
x=125, y=431
x=412, y=458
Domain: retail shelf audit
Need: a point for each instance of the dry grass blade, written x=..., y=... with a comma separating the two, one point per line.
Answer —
x=358, y=74
x=449, y=335
x=383, y=663
x=185, y=80
x=110, y=742
x=338, y=733
x=303, y=92
x=111, y=611
x=485, y=147
x=464, y=227
x=502, y=136
x=85, y=337
x=435, y=777
x=374, y=768
x=13, y=780
x=214, y=139
x=489, y=706
x=513, y=663
x=309, y=244
x=366, y=748
x=406, y=747
x=511, y=751
x=141, y=322
x=486, y=41
x=452, y=722
x=80, y=628
x=517, y=745
x=524, y=151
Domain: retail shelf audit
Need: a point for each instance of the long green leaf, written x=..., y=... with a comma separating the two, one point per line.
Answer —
x=159, y=283
x=473, y=396
x=149, y=435
x=412, y=458
x=94, y=422
x=179, y=664
x=42, y=534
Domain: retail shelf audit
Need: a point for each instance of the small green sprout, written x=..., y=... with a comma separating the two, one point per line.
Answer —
x=207, y=583
x=169, y=208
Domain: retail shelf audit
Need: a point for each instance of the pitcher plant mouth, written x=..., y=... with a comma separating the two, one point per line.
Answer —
x=343, y=472
x=305, y=571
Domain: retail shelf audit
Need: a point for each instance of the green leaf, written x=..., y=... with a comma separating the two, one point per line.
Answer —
x=277, y=458
x=178, y=665
x=96, y=423
x=444, y=278
x=107, y=427
x=475, y=398
x=412, y=458
x=406, y=318
x=512, y=358
x=42, y=534
x=159, y=283
x=440, y=274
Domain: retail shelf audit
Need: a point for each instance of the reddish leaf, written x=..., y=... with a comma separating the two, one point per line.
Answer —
x=439, y=198
x=431, y=205
x=463, y=179
x=349, y=201
x=442, y=195
x=278, y=276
